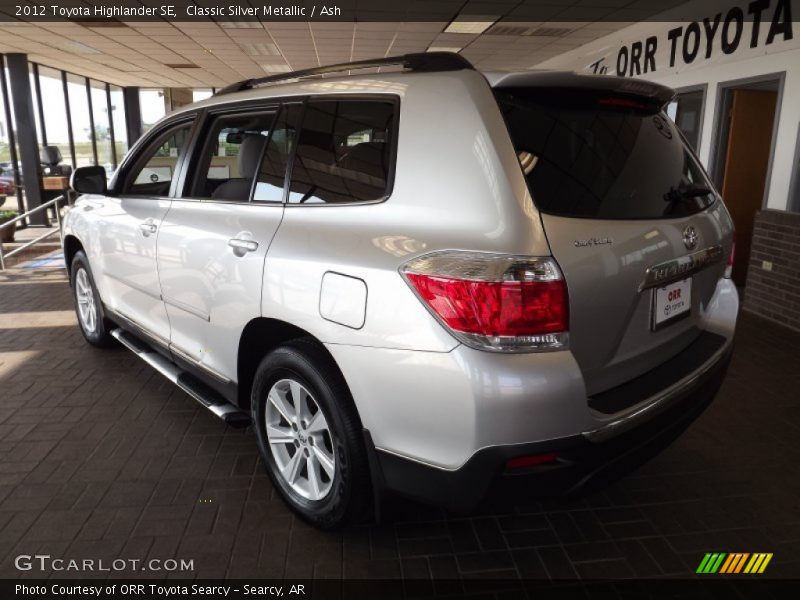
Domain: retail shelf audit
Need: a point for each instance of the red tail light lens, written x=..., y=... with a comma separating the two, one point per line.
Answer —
x=531, y=460
x=731, y=258
x=494, y=302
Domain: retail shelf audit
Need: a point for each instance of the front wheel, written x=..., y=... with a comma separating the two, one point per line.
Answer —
x=94, y=327
x=309, y=435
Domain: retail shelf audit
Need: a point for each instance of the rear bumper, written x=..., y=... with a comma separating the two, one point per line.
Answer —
x=594, y=457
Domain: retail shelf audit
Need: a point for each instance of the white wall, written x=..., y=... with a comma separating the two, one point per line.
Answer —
x=782, y=55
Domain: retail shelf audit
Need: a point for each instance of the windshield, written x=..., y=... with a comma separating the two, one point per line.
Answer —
x=602, y=156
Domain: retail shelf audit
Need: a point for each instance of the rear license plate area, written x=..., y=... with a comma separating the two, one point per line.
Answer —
x=671, y=303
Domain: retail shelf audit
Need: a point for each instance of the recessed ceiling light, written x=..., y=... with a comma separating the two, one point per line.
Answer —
x=275, y=68
x=444, y=49
x=76, y=47
x=260, y=49
x=470, y=24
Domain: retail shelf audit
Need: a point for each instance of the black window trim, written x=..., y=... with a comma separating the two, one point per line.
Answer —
x=144, y=143
x=201, y=115
x=197, y=145
x=393, y=99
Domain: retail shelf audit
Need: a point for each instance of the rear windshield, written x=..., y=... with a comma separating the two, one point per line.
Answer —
x=604, y=157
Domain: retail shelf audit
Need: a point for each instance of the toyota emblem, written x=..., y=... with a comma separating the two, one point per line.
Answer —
x=690, y=237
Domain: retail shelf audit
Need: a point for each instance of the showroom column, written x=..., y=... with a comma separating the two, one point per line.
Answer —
x=133, y=114
x=25, y=125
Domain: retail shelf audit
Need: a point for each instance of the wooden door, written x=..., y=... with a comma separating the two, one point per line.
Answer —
x=746, y=162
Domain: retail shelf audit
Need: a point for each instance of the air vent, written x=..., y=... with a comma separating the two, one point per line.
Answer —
x=182, y=66
x=509, y=30
x=240, y=24
x=551, y=31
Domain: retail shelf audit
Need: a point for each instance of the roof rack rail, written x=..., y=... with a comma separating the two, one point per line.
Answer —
x=423, y=62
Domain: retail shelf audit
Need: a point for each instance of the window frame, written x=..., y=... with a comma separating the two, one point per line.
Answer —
x=198, y=144
x=133, y=160
x=393, y=99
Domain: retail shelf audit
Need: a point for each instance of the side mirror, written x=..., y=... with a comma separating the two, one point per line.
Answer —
x=89, y=180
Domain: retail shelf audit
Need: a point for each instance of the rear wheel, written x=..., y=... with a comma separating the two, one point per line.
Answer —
x=88, y=307
x=309, y=435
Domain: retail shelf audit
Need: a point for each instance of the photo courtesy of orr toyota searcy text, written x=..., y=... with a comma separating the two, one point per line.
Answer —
x=158, y=591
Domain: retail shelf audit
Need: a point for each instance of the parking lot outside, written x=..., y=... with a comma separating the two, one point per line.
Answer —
x=102, y=458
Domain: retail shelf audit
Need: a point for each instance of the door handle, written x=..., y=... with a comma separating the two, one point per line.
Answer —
x=147, y=228
x=241, y=246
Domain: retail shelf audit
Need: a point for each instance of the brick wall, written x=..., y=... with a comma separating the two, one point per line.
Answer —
x=775, y=294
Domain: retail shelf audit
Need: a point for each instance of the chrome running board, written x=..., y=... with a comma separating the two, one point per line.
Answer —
x=207, y=397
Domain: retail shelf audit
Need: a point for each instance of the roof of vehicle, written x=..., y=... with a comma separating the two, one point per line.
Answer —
x=339, y=78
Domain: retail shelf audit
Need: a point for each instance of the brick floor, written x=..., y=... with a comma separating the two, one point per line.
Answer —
x=101, y=457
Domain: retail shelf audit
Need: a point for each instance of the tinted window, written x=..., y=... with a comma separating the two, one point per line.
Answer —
x=343, y=152
x=234, y=146
x=602, y=157
x=269, y=187
x=154, y=168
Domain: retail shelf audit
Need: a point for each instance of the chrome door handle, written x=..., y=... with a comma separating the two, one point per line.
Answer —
x=148, y=228
x=243, y=245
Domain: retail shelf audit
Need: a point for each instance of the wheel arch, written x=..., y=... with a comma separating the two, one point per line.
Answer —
x=72, y=245
x=259, y=337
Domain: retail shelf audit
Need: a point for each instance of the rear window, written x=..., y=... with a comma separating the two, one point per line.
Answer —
x=604, y=157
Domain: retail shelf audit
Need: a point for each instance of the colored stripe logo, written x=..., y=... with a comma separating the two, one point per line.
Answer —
x=734, y=563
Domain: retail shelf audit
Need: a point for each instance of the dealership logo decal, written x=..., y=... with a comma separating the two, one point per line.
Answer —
x=735, y=563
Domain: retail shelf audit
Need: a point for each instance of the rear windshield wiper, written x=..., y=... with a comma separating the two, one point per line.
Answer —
x=686, y=193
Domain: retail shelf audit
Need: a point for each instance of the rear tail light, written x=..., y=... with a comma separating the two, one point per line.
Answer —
x=494, y=302
x=731, y=258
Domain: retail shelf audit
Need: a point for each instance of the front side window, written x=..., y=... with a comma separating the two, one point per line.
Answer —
x=343, y=152
x=152, y=172
x=233, y=149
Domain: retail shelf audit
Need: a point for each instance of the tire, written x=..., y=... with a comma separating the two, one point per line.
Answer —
x=88, y=306
x=342, y=494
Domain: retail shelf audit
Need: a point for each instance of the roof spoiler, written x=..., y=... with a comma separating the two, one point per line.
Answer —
x=654, y=94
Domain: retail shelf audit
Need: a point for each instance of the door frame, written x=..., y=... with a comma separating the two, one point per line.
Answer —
x=793, y=202
x=698, y=87
x=718, y=153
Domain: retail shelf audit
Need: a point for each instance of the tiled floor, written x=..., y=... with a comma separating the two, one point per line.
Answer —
x=101, y=457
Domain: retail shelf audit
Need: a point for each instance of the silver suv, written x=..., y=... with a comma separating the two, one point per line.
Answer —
x=419, y=279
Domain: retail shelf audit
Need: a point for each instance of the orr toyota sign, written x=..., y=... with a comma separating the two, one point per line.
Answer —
x=760, y=23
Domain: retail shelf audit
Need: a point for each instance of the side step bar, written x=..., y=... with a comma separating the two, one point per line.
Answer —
x=209, y=398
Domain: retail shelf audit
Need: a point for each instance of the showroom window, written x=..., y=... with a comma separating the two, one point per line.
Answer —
x=102, y=127
x=151, y=103
x=343, y=152
x=81, y=120
x=56, y=128
x=686, y=110
x=117, y=107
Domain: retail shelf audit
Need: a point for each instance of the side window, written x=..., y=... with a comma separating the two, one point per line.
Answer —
x=233, y=149
x=153, y=171
x=269, y=187
x=343, y=152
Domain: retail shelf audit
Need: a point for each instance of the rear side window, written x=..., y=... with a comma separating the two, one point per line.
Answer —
x=600, y=157
x=343, y=153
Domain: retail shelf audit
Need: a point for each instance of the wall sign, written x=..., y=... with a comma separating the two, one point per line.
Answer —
x=724, y=33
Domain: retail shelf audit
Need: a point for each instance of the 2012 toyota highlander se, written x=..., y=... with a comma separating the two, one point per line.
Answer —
x=419, y=279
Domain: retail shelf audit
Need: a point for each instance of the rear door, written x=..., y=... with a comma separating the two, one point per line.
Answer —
x=631, y=218
x=215, y=237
